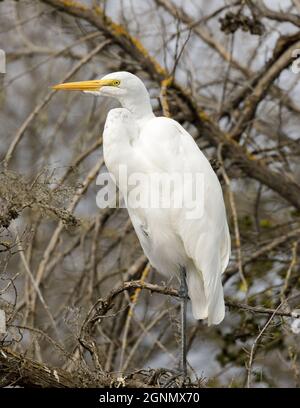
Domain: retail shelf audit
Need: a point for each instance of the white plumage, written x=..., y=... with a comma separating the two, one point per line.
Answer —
x=145, y=143
x=133, y=137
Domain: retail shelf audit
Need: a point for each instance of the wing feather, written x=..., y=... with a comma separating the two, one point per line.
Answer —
x=202, y=245
x=206, y=240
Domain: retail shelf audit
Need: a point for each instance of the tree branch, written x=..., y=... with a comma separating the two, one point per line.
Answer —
x=207, y=127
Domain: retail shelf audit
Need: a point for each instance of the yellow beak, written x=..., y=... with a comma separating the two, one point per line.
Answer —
x=94, y=85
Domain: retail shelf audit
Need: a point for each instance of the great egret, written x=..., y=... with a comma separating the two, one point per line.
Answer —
x=196, y=249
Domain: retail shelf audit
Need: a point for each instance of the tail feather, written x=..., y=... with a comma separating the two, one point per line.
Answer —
x=216, y=305
x=209, y=262
x=202, y=308
x=197, y=293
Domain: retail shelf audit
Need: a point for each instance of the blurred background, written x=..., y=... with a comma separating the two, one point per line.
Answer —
x=228, y=72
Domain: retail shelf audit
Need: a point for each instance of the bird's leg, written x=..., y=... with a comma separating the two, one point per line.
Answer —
x=183, y=293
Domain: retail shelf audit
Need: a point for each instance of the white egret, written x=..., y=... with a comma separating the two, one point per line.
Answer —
x=196, y=249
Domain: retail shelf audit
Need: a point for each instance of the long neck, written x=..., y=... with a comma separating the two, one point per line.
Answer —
x=139, y=105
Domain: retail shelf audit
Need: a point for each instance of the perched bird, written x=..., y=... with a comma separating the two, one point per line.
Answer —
x=196, y=249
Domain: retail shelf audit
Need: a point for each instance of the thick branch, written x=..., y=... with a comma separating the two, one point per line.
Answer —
x=270, y=73
x=19, y=370
x=15, y=369
x=280, y=16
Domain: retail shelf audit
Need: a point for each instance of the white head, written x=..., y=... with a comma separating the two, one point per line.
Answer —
x=127, y=88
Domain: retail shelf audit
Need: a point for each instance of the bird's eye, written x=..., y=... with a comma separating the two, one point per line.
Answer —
x=116, y=82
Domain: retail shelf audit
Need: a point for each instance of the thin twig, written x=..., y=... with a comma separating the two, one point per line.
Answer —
x=255, y=344
x=235, y=221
